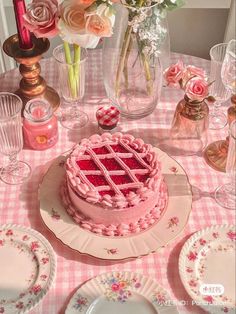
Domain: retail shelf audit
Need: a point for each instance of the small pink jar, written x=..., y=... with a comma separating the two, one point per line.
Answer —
x=40, y=127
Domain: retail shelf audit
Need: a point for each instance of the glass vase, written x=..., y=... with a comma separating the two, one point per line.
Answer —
x=189, y=127
x=132, y=69
x=71, y=77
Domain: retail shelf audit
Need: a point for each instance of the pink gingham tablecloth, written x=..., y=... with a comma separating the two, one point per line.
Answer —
x=19, y=204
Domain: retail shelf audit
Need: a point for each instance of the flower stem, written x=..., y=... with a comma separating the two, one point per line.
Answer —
x=126, y=64
x=122, y=59
x=77, y=54
x=72, y=82
x=147, y=74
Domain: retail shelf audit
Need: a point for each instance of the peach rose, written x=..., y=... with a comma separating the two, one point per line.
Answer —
x=197, y=89
x=84, y=3
x=98, y=22
x=192, y=71
x=72, y=25
x=73, y=17
x=41, y=18
x=174, y=74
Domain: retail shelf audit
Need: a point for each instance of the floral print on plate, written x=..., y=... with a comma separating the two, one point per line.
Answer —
x=28, y=246
x=201, y=259
x=120, y=288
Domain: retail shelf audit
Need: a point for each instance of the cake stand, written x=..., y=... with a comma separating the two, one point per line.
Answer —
x=172, y=222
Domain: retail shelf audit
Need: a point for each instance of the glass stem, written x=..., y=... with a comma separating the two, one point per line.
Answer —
x=13, y=162
x=216, y=108
x=74, y=107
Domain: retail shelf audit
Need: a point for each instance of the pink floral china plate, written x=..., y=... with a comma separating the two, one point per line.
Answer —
x=171, y=223
x=207, y=268
x=121, y=292
x=27, y=268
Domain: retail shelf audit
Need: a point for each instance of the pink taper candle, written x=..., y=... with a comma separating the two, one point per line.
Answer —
x=25, y=40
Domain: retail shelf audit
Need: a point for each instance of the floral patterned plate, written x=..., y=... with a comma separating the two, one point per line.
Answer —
x=171, y=223
x=207, y=268
x=27, y=268
x=121, y=292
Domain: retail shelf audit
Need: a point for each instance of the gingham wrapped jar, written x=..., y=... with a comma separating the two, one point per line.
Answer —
x=108, y=117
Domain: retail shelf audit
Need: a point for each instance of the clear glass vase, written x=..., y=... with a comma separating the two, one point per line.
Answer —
x=71, y=77
x=132, y=69
x=189, y=127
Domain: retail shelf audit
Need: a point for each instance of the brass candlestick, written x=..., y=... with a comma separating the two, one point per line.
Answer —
x=32, y=85
x=216, y=153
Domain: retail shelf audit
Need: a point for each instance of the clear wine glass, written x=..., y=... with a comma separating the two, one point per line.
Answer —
x=225, y=195
x=217, y=119
x=228, y=71
x=11, y=139
x=72, y=86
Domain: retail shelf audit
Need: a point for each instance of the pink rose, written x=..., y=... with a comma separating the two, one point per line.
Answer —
x=191, y=72
x=174, y=74
x=41, y=18
x=115, y=287
x=196, y=89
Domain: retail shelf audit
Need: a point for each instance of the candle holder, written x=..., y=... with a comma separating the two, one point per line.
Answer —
x=216, y=153
x=32, y=85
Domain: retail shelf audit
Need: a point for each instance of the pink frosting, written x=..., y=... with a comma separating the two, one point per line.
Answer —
x=81, y=186
x=116, y=227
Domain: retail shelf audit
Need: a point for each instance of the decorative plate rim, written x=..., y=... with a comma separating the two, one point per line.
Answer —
x=175, y=170
x=94, y=282
x=185, y=249
x=53, y=262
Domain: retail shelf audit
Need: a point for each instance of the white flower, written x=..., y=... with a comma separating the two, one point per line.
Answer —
x=83, y=40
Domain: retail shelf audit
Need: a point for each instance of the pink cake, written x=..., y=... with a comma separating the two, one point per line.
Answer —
x=113, y=185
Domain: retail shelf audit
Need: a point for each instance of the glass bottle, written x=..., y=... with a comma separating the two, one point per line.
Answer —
x=189, y=127
x=40, y=127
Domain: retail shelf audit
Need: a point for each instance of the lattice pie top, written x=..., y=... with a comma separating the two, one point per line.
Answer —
x=116, y=170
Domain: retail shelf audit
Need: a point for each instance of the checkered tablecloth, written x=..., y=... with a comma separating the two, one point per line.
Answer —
x=19, y=204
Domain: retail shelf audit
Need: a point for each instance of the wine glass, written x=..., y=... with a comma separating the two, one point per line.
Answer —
x=217, y=119
x=225, y=195
x=228, y=71
x=11, y=139
x=72, y=85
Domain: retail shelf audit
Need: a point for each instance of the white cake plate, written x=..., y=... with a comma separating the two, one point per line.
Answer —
x=171, y=223
x=121, y=292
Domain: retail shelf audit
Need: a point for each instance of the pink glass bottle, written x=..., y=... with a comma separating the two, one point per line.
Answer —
x=40, y=126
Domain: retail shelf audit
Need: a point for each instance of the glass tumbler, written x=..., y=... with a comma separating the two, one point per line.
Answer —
x=11, y=139
x=225, y=195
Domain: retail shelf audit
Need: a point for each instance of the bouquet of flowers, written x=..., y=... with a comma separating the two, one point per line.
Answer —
x=78, y=22
x=191, y=119
x=144, y=24
x=191, y=79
